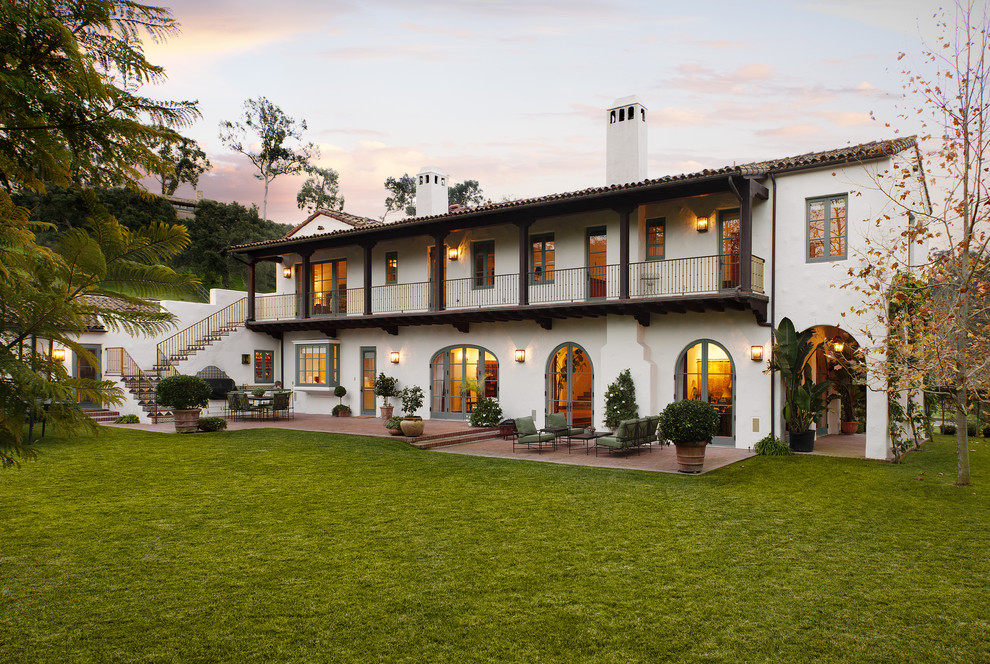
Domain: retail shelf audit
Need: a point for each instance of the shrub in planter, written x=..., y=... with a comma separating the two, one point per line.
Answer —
x=690, y=426
x=487, y=413
x=127, y=419
x=341, y=410
x=185, y=395
x=258, y=392
x=386, y=388
x=212, y=424
x=772, y=446
x=412, y=400
x=394, y=425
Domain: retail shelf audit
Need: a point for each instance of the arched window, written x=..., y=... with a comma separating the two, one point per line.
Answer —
x=570, y=384
x=704, y=371
x=611, y=117
x=458, y=376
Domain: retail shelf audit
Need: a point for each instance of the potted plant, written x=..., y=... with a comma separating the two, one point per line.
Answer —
x=258, y=391
x=412, y=400
x=185, y=395
x=340, y=410
x=385, y=387
x=690, y=425
x=804, y=400
x=394, y=425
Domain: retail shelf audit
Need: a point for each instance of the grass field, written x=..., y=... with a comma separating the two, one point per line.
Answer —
x=263, y=545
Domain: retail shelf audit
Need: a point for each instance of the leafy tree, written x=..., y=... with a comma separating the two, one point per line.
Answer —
x=69, y=78
x=71, y=112
x=187, y=162
x=217, y=226
x=620, y=400
x=939, y=339
x=320, y=191
x=466, y=194
x=403, y=195
x=275, y=131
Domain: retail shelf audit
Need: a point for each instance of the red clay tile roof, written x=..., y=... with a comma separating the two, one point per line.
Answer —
x=347, y=218
x=849, y=154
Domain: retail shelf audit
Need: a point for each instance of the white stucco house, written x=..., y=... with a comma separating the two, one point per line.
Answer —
x=543, y=301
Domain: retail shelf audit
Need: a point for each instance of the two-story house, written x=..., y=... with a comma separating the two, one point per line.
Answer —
x=541, y=302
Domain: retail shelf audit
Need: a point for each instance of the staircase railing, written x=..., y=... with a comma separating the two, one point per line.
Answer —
x=120, y=363
x=196, y=337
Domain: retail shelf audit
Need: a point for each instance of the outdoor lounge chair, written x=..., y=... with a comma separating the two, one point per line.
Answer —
x=280, y=404
x=559, y=421
x=526, y=434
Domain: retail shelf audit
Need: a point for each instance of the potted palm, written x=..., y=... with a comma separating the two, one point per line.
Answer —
x=386, y=388
x=690, y=425
x=185, y=395
x=412, y=400
x=804, y=400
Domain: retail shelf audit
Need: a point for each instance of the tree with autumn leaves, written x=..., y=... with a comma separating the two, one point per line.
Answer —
x=933, y=311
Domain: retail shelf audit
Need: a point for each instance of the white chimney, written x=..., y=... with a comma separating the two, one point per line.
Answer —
x=431, y=192
x=625, y=142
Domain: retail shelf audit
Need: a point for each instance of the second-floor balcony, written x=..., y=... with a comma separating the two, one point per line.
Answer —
x=682, y=279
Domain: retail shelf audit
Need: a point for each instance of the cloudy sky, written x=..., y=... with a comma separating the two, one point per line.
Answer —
x=513, y=93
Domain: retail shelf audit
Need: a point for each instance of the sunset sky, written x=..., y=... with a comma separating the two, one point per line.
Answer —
x=513, y=94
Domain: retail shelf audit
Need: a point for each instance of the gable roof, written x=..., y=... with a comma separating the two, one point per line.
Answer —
x=846, y=155
x=338, y=215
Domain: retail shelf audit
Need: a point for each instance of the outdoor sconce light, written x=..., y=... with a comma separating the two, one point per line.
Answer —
x=287, y=272
x=756, y=353
x=520, y=355
x=245, y=358
x=838, y=346
x=58, y=354
x=452, y=253
x=702, y=224
x=394, y=356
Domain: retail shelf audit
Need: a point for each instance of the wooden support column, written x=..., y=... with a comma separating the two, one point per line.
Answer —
x=439, y=263
x=306, y=281
x=252, y=261
x=367, y=276
x=749, y=191
x=524, y=260
x=624, y=214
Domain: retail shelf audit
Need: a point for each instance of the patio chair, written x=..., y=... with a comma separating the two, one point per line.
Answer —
x=233, y=407
x=245, y=406
x=526, y=434
x=280, y=404
x=559, y=421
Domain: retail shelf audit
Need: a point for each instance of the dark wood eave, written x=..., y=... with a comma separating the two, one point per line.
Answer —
x=603, y=200
x=641, y=309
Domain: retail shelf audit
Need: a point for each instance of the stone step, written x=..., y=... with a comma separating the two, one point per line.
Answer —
x=453, y=438
x=101, y=414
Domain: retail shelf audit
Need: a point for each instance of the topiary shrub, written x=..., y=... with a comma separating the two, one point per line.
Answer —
x=183, y=392
x=688, y=422
x=487, y=413
x=341, y=410
x=620, y=400
x=127, y=419
x=971, y=429
x=412, y=399
x=772, y=446
x=386, y=387
x=212, y=424
x=948, y=429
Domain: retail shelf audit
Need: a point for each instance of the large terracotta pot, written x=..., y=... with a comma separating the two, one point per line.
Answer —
x=803, y=441
x=690, y=456
x=186, y=421
x=386, y=412
x=412, y=426
x=849, y=427
x=395, y=431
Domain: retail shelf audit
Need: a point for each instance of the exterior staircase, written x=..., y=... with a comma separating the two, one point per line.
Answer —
x=170, y=352
x=101, y=414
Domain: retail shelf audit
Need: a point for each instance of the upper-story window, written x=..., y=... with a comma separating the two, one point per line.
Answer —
x=543, y=258
x=654, y=238
x=392, y=267
x=827, y=227
x=484, y=264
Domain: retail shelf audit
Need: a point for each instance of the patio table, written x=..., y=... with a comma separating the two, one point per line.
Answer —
x=558, y=432
x=586, y=437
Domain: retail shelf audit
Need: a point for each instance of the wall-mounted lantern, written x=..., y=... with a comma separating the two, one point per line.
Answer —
x=756, y=353
x=452, y=253
x=702, y=224
x=58, y=354
x=287, y=272
x=520, y=355
x=394, y=357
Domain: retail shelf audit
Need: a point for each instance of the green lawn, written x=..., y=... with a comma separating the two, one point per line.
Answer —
x=257, y=546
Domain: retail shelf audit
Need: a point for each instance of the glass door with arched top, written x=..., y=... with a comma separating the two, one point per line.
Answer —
x=458, y=377
x=570, y=384
x=705, y=372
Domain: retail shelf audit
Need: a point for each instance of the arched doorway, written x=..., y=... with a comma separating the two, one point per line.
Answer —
x=839, y=359
x=458, y=375
x=570, y=384
x=705, y=371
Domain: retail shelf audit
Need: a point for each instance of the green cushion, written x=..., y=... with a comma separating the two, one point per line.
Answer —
x=610, y=441
x=536, y=438
x=627, y=429
x=556, y=420
x=574, y=431
x=524, y=425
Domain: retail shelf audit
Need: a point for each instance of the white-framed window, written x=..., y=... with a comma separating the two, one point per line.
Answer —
x=317, y=364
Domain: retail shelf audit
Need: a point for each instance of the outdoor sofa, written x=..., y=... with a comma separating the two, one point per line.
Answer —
x=631, y=434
